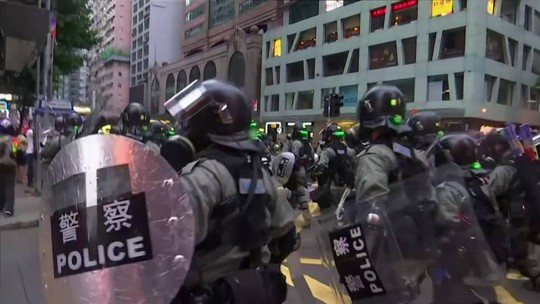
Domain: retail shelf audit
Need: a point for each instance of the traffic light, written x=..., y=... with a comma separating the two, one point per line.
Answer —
x=336, y=102
x=326, y=106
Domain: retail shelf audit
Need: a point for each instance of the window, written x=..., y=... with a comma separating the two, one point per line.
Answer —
x=209, y=71
x=409, y=50
x=194, y=13
x=494, y=46
x=377, y=19
x=438, y=88
x=237, y=69
x=269, y=73
x=311, y=68
x=509, y=10
x=459, y=80
x=154, y=97
x=524, y=96
x=277, y=48
x=301, y=10
x=141, y=15
x=145, y=64
x=133, y=69
x=169, y=87
x=489, y=83
x=134, y=44
x=289, y=101
x=247, y=5
x=536, y=23
x=432, y=37
x=181, y=81
x=194, y=74
x=404, y=12
x=133, y=56
x=463, y=4
x=533, y=99
x=331, y=5
x=330, y=32
x=354, y=66
x=140, y=28
x=351, y=26
x=512, y=48
x=278, y=74
x=220, y=12
x=290, y=41
x=307, y=39
x=139, y=67
x=295, y=71
x=383, y=56
x=536, y=62
x=491, y=7
x=406, y=86
x=194, y=31
x=145, y=48
x=453, y=43
x=441, y=7
x=334, y=64
x=527, y=22
x=272, y=103
x=139, y=53
x=305, y=100
x=119, y=74
x=350, y=95
x=134, y=20
x=146, y=23
x=506, y=91
x=268, y=49
x=526, y=56
x=188, y=2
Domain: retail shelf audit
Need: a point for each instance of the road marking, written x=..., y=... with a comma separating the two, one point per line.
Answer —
x=504, y=296
x=310, y=261
x=285, y=271
x=514, y=275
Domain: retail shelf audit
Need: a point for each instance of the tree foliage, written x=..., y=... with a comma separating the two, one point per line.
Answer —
x=73, y=27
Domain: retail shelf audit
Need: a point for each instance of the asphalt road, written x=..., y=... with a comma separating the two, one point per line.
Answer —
x=309, y=282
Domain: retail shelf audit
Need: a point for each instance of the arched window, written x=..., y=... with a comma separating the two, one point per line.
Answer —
x=237, y=69
x=154, y=97
x=169, y=87
x=194, y=74
x=209, y=70
x=181, y=81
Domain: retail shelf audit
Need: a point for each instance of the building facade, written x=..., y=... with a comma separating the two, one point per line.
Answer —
x=109, y=61
x=155, y=40
x=221, y=39
x=473, y=62
x=74, y=87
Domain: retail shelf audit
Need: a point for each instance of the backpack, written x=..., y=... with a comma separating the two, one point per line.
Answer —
x=343, y=166
x=6, y=152
x=243, y=220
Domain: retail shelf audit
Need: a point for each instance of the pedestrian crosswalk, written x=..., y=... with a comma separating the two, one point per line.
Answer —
x=314, y=271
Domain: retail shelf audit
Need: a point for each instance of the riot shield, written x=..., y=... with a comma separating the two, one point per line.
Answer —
x=117, y=226
x=528, y=172
x=420, y=243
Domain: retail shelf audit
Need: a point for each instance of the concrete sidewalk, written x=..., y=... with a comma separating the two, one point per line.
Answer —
x=27, y=211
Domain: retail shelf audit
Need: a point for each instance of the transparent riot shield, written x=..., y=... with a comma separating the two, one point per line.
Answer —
x=420, y=243
x=117, y=226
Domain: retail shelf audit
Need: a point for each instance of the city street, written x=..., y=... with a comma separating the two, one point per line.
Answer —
x=20, y=276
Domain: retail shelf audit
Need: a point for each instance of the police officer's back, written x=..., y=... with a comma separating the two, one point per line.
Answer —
x=426, y=127
x=234, y=197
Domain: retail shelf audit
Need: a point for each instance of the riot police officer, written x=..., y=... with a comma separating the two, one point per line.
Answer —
x=54, y=141
x=506, y=187
x=235, y=201
x=334, y=168
x=299, y=146
x=72, y=125
x=135, y=121
x=158, y=132
x=426, y=126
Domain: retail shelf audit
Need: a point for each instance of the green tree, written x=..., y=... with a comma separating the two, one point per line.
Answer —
x=73, y=27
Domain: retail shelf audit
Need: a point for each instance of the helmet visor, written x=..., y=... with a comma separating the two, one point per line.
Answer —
x=188, y=102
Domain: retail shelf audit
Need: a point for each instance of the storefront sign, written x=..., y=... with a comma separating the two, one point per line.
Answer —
x=350, y=95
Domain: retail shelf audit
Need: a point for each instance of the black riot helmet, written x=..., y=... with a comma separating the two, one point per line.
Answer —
x=461, y=149
x=426, y=127
x=299, y=132
x=332, y=132
x=381, y=106
x=494, y=145
x=135, y=120
x=59, y=123
x=73, y=122
x=158, y=131
x=210, y=107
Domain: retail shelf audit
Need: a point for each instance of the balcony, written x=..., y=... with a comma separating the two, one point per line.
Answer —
x=111, y=54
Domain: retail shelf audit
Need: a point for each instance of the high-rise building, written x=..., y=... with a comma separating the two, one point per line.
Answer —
x=73, y=87
x=155, y=26
x=221, y=39
x=109, y=61
x=473, y=62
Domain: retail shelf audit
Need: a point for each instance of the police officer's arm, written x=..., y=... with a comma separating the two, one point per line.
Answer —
x=282, y=220
x=324, y=160
x=500, y=179
x=207, y=183
x=351, y=152
x=451, y=196
x=372, y=169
